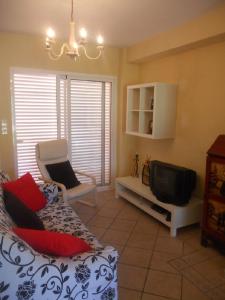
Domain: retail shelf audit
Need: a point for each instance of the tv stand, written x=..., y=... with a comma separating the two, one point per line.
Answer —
x=131, y=189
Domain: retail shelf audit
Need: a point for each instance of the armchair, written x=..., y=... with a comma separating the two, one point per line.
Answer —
x=56, y=151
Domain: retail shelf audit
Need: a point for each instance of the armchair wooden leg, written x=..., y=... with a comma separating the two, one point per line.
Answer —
x=92, y=204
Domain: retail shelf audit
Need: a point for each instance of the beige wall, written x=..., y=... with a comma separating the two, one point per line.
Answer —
x=203, y=30
x=129, y=74
x=199, y=74
x=27, y=51
x=200, y=78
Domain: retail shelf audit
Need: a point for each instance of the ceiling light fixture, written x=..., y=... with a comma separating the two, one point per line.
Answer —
x=73, y=47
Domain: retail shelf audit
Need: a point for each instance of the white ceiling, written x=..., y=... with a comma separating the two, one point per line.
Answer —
x=121, y=22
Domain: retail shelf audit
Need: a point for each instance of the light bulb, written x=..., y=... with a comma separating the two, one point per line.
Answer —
x=100, y=40
x=50, y=33
x=75, y=45
x=83, y=33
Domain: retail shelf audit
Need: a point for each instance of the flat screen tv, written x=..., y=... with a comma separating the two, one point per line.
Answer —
x=170, y=183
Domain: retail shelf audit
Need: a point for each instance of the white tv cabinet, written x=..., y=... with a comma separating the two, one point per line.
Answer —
x=140, y=195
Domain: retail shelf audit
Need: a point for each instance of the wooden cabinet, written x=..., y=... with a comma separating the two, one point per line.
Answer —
x=213, y=225
x=151, y=110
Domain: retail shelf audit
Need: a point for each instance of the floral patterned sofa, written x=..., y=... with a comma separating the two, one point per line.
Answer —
x=26, y=274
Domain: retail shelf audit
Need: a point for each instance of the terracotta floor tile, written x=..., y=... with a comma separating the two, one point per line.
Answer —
x=164, y=231
x=115, y=203
x=179, y=264
x=153, y=297
x=136, y=256
x=99, y=221
x=140, y=240
x=144, y=242
x=130, y=276
x=130, y=213
x=197, y=279
x=169, y=245
x=161, y=261
x=119, y=248
x=191, y=292
x=189, y=232
x=163, y=284
x=188, y=249
x=213, y=269
x=85, y=217
x=146, y=227
x=97, y=231
x=123, y=225
x=115, y=236
x=125, y=294
x=217, y=293
x=199, y=256
x=106, y=212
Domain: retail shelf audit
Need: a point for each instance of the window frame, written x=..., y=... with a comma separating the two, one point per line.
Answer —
x=78, y=76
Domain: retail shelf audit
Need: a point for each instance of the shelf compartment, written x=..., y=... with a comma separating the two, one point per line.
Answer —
x=134, y=99
x=146, y=98
x=146, y=122
x=133, y=121
x=143, y=204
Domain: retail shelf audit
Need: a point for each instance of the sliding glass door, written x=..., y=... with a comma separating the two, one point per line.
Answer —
x=49, y=106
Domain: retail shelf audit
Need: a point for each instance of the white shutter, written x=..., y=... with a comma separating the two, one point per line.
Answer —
x=51, y=106
x=108, y=132
x=35, y=117
x=89, y=128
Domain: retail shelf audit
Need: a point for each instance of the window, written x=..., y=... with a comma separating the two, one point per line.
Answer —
x=50, y=106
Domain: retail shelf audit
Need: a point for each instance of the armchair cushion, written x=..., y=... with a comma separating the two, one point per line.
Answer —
x=63, y=173
x=52, y=243
x=20, y=213
x=27, y=191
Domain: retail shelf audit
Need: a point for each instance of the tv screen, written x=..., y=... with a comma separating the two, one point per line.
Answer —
x=170, y=183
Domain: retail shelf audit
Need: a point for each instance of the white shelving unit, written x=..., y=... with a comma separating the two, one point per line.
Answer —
x=151, y=110
x=131, y=189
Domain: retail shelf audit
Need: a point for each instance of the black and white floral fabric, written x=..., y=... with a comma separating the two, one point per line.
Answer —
x=28, y=275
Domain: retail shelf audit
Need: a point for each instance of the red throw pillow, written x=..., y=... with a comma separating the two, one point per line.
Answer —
x=27, y=191
x=53, y=243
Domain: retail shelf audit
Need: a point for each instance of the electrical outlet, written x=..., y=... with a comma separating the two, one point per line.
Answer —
x=4, y=127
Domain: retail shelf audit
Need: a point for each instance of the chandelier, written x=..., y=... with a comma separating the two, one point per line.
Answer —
x=74, y=47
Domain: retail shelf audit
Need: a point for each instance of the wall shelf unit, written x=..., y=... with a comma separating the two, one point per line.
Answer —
x=151, y=110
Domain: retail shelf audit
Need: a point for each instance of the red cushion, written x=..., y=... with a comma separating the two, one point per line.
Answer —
x=27, y=191
x=53, y=243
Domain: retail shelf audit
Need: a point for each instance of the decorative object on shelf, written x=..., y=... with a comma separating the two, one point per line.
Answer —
x=73, y=47
x=135, y=168
x=146, y=171
x=213, y=225
x=152, y=103
x=150, y=124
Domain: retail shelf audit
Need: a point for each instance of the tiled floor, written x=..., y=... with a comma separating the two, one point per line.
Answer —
x=152, y=265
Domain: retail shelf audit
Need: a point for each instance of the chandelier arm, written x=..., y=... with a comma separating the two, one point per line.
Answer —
x=54, y=56
x=71, y=16
x=100, y=49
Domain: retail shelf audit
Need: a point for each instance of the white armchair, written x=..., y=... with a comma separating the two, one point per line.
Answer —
x=56, y=151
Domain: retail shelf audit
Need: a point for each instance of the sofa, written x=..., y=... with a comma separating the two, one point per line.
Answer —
x=26, y=274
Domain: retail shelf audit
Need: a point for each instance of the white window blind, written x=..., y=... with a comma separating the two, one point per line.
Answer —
x=90, y=128
x=51, y=106
x=35, y=117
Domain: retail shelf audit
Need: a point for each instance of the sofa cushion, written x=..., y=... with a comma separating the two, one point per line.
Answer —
x=62, y=172
x=20, y=213
x=53, y=243
x=27, y=191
